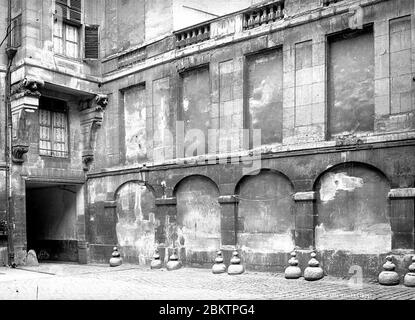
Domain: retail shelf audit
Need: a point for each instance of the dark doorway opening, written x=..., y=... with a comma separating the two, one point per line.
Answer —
x=51, y=221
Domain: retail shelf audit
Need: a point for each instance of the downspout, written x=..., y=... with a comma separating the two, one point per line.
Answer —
x=8, y=139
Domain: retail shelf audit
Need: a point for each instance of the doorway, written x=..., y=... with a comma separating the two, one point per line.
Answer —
x=51, y=221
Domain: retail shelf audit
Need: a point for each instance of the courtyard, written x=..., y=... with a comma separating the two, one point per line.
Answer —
x=70, y=281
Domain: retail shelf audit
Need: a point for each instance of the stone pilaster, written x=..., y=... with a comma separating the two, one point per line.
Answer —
x=402, y=217
x=166, y=233
x=229, y=228
x=304, y=219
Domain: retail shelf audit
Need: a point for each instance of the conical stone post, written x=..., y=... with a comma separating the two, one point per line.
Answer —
x=174, y=263
x=293, y=271
x=313, y=271
x=116, y=259
x=219, y=267
x=389, y=277
x=409, y=279
x=156, y=262
x=236, y=267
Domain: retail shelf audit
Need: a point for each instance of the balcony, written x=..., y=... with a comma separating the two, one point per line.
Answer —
x=192, y=35
x=263, y=15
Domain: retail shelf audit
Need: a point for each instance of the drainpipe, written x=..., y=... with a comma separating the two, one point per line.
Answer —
x=8, y=140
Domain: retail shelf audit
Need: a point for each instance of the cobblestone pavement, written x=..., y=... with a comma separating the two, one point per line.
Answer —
x=132, y=282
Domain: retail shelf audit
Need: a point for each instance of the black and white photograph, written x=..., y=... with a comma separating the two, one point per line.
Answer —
x=207, y=155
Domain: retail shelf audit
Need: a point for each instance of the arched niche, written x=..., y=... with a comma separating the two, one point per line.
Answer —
x=353, y=210
x=198, y=214
x=265, y=213
x=136, y=223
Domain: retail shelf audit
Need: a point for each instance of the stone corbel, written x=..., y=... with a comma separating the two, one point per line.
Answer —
x=24, y=102
x=18, y=151
x=92, y=115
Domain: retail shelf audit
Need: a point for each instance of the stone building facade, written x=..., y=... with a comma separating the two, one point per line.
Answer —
x=266, y=127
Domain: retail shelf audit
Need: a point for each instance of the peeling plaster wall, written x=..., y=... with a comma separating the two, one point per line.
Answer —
x=161, y=119
x=265, y=214
x=135, y=120
x=353, y=211
x=198, y=215
x=265, y=95
x=351, y=83
x=124, y=25
x=197, y=111
x=136, y=223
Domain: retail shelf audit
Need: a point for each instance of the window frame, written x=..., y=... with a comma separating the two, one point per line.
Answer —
x=65, y=23
x=52, y=110
x=64, y=40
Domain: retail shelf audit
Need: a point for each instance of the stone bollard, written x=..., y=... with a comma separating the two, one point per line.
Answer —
x=236, y=267
x=116, y=259
x=156, y=262
x=219, y=266
x=389, y=277
x=409, y=279
x=174, y=263
x=293, y=271
x=313, y=271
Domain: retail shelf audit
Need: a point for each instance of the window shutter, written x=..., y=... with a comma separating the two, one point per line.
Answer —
x=91, y=42
x=61, y=8
x=75, y=11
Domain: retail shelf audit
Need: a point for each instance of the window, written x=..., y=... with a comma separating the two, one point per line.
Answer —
x=69, y=10
x=53, y=132
x=66, y=27
x=66, y=39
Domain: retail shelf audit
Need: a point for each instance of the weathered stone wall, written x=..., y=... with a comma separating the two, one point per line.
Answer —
x=353, y=210
x=296, y=212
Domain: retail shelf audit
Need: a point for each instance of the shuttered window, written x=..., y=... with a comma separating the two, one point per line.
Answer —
x=66, y=27
x=66, y=39
x=70, y=10
x=91, y=42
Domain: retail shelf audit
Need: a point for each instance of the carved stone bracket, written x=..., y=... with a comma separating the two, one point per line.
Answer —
x=24, y=102
x=18, y=152
x=92, y=115
x=29, y=86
